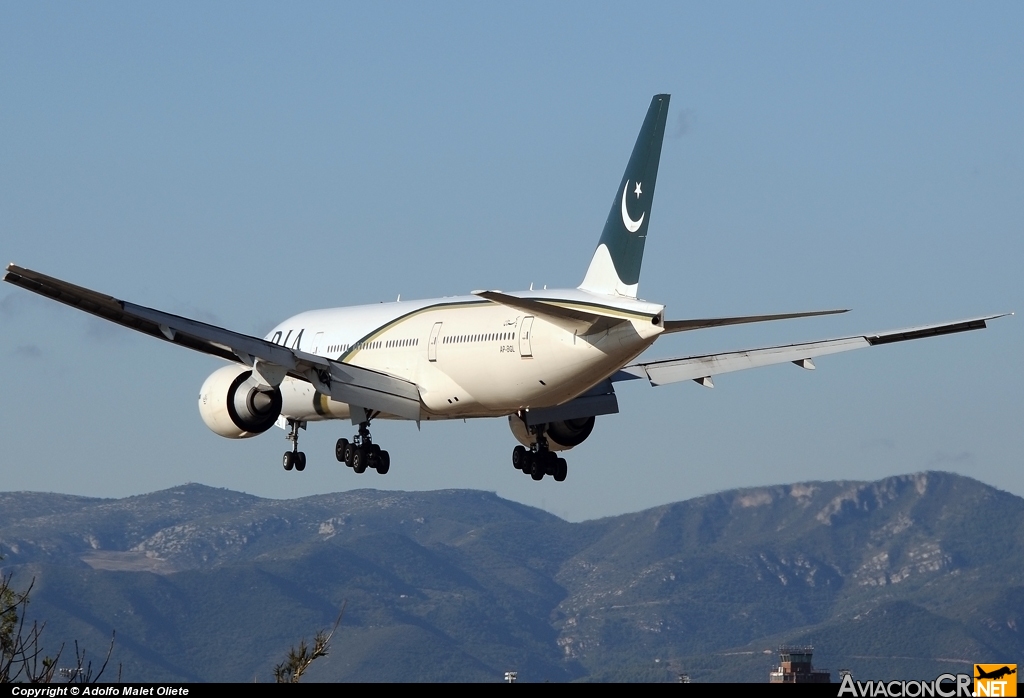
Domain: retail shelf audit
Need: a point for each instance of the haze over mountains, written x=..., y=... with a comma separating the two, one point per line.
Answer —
x=906, y=577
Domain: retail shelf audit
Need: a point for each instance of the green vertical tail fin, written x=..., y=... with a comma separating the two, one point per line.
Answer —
x=615, y=268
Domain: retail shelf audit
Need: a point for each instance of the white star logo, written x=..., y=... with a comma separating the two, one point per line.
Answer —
x=637, y=190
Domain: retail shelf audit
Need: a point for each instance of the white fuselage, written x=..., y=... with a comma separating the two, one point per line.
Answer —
x=470, y=357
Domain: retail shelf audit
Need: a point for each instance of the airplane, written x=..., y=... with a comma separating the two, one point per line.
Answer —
x=994, y=674
x=547, y=360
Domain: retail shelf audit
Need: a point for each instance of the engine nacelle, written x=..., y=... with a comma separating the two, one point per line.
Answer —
x=561, y=436
x=235, y=406
x=570, y=432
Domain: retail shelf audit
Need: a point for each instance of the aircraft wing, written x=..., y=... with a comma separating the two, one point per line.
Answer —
x=702, y=368
x=356, y=386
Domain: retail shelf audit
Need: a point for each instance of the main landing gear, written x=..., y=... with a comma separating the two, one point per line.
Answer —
x=539, y=461
x=294, y=458
x=361, y=453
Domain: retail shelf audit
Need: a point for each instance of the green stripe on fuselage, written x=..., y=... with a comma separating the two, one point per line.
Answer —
x=373, y=334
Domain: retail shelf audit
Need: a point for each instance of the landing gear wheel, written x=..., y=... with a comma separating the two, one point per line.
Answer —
x=518, y=457
x=540, y=468
x=361, y=453
x=550, y=462
x=294, y=458
x=529, y=459
x=359, y=460
x=561, y=470
x=383, y=463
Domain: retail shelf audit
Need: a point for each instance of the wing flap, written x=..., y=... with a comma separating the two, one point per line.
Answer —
x=694, y=368
x=702, y=367
x=597, y=401
x=362, y=387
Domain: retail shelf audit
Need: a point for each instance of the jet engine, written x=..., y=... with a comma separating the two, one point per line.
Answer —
x=234, y=405
x=570, y=432
x=561, y=435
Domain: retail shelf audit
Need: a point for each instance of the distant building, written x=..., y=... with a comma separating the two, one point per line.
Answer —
x=795, y=667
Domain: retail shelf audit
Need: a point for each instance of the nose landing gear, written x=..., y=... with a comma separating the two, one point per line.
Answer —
x=294, y=458
x=361, y=453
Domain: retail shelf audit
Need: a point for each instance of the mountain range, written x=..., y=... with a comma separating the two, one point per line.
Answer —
x=906, y=577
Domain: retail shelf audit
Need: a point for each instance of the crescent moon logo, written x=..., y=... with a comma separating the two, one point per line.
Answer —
x=631, y=225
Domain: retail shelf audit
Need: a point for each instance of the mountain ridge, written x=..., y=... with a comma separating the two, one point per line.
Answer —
x=464, y=585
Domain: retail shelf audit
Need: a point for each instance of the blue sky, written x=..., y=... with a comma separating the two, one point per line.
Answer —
x=239, y=163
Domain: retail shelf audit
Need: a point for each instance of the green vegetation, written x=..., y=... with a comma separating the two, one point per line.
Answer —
x=22, y=656
x=21, y=650
x=300, y=658
x=905, y=577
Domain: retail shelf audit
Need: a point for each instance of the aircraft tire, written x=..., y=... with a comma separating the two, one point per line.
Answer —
x=300, y=461
x=288, y=461
x=528, y=460
x=359, y=460
x=383, y=463
x=550, y=463
x=538, y=471
x=350, y=453
x=561, y=470
x=518, y=457
x=339, y=450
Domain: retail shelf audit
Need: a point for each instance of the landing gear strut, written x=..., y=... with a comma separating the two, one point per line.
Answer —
x=539, y=460
x=361, y=453
x=294, y=458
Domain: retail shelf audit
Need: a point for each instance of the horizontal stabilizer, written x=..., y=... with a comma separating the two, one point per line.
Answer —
x=538, y=307
x=700, y=368
x=583, y=320
x=372, y=390
x=686, y=325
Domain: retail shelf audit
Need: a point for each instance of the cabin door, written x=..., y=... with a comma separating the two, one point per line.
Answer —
x=525, y=346
x=435, y=332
